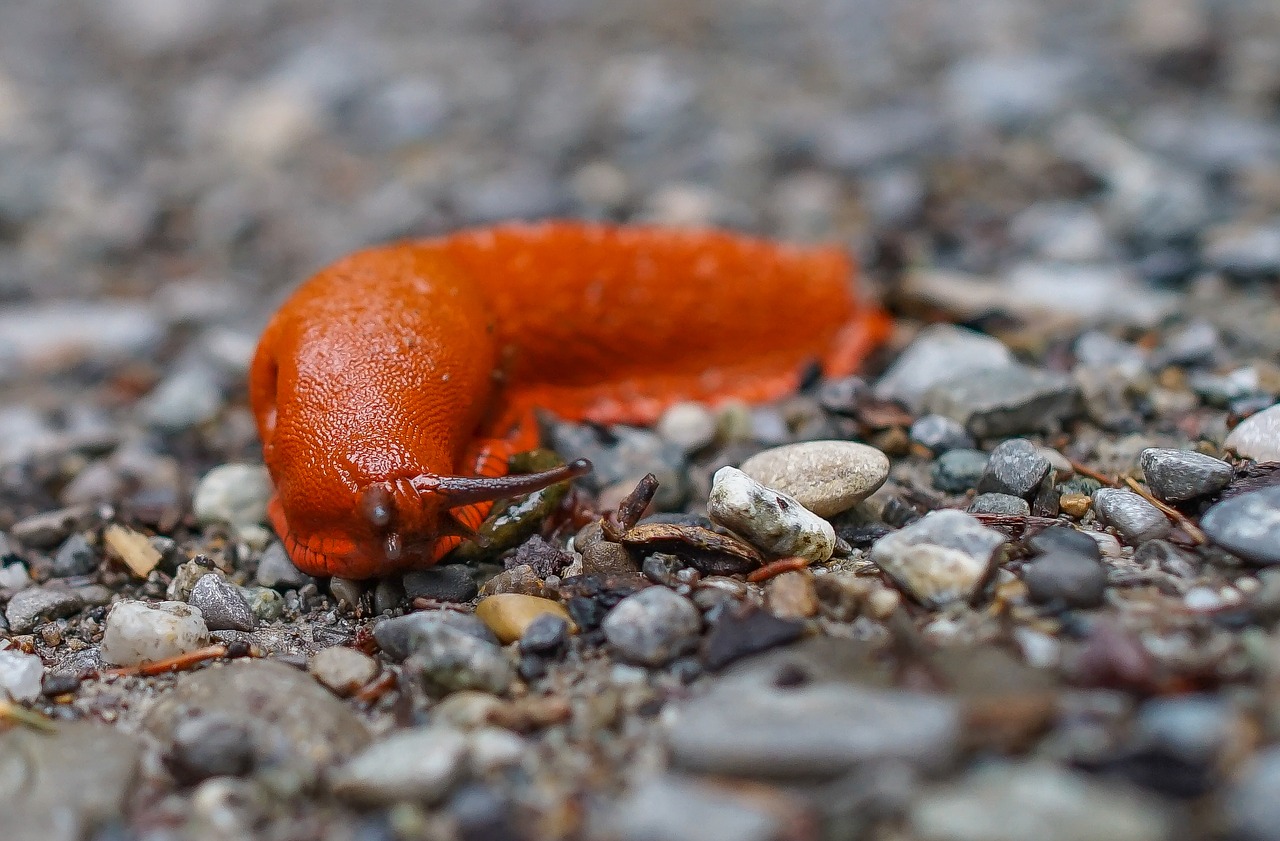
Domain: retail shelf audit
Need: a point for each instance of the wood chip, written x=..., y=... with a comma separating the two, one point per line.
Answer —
x=132, y=548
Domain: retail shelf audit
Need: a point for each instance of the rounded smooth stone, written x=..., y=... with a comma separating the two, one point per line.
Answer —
x=1247, y=525
x=653, y=627
x=826, y=477
x=1136, y=519
x=545, y=634
x=344, y=670
x=137, y=632
x=956, y=471
x=21, y=675
x=768, y=519
x=419, y=764
x=1176, y=475
x=509, y=615
x=448, y=583
x=209, y=746
x=1257, y=436
x=940, y=434
x=998, y=503
x=1065, y=577
x=1062, y=538
x=690, y=426
x=1015, y=468
x=233, y=493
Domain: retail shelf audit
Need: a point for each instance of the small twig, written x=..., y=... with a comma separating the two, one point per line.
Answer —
x=1084, y=470
x=775, y=568
x=10, y=711
x=1184, y=522
x=176, y=663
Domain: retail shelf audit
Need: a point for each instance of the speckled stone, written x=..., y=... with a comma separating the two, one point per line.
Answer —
x=768, y=519
x=1257, y=436
x=996, y=503
x=420, y=764
x=1176, y=475
x=1132, y=516
x=1015, y=468
x=1247, y=525
x=826, y=477
x=939, y=559
x=653, y=627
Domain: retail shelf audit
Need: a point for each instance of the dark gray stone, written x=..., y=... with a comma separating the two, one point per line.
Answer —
x=939, y=354
x=1067, y=579
x=957, y=471
x=998, y=503
x=276, y=571
x=545, y=634
x=74, y=557
x=1247, y=525
x=396, y=636
x=1177, y=475
x=209, y=746
x=449, y=659
x=1133, y=517
x=1065, y=539
x=222, y=605
x=29, y=607
x=1015, y=468
x=1005, y=401
x=940, y=434
x=448, y=583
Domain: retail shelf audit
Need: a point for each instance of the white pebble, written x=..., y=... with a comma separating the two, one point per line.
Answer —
x=1202, y=599
x=1258, y=436
x=14, y=577
x=20, y=675
x=690, y=426
x=137, y=632
x=233, y=493
x=768, y=519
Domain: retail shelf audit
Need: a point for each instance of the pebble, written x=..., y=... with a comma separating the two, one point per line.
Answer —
x=1065, y=539
x=939, y=559
x=1177, y=475
x=1075, y=504
x=15, y=577
x=625, y=456
x=546, y=634
x=519, y=579
x=34, y=605
x=53, y=336
x=742, y=630
x=606, y=558
x=346, y=592
x=293, y=723
x=1192, y=732
x=653, y=627
x=344, y=670
x=939, y=353
x=1016, y=468
x=137, y=632
x=74, y=557
x=1257, y=436
x=207, y=746
x=1065, y=578
x=768, y=519
x=1132, y=516
x=183, y=400
x=509, y=615
x=998, y=503
x=679, y=808
x=826, y=477
x=450, y=659
x=275, y=570
x=448, y=583
x=747, y=726
x=21, y=675
x=940, y=434
x=689, y=426
x=1247, y=525
x=1005, y=401
x=222, y=605
x=957, y=471
x=396, y=636
x=791, y=595
x=419, y=764
x=491, y=749
x=236, y=494
x=66, y=784
x=1008, y=801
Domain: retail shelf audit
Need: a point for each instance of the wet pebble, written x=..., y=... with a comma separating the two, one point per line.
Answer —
x=939, y=559
x=233, y=493
x=1257, y=436
x=396, y=636
x=34, y=605
x=998, y=503
x=768, y=519
x=509, y=615
x=420, y=764
x=137, y=632
x=940, y=434
x=826, y=477
x=939, y=353
x=1015, y=468
x=1247, y=525
x=1177, y=475
x=74, y=557
x=448, y=583
x=956, y=471
x=275, y=570
x=344, y=670
x=1005, y=401
x=222, y=605
x=653, y=627
x=1065, y=578
x=21, y=675
x=1133, y=517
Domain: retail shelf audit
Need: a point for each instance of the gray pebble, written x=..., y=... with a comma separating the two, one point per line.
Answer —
x=689, y=426
x=346, y=592
x=183, y=400
x=1247, y=525
x=420, y=764
x=1257, y=436
x=397, y=636
x=545, y=634
x=448, y=583
x=1251, y=809
x=1132, y=516
x=275, y=570
x=627, y=456
x=1005, y=401
x=768, y=519
x=450, y=659
x=957, y=471
x=1016, y=468
x=1065, y=539
x=28, y=608
x=1194, y=730
x=209, y=746
x=826, y=477
x=653, y=627
x=222, y=605
x=677, y=808
x=939, y=354
x=940, y=434
x=74, y=557
x=939, y=559
x=1176, y=475
x=998, y=503
x=233, y=493
x=344, y=670
x=1065, y=578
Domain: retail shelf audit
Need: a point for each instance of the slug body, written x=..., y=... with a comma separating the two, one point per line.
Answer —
x=390, y=388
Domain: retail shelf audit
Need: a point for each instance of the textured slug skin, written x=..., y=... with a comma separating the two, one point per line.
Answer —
x=427, y=358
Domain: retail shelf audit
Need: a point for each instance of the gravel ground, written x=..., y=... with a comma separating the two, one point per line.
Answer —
x=1039, y=604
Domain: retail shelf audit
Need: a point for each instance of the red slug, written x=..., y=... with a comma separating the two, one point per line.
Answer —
x=391, y=387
